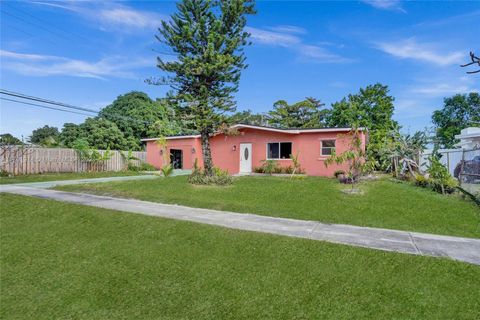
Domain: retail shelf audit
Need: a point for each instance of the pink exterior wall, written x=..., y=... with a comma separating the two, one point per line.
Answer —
x=226, y=156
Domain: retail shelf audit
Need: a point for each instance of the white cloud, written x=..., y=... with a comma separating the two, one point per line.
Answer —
x=392, y=5
x=46, y=65
x=288, y=29
x=272, y=38
x=295, y=43
x=111, y=15
x=411, y=49
x=442, y=89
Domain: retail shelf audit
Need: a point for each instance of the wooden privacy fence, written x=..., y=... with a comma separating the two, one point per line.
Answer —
x=19, y=160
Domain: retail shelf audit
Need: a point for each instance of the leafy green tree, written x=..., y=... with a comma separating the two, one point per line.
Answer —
x=45, y=135
x=208, y=38
x=103, y=134
x=458, y=112
x=249, y=117
x=372, y=108
x=138, y=116
x=8, y=139
x=70, y=133
x=304, y=114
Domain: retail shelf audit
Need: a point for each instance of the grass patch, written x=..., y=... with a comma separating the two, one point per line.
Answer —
x=64, y=176
x=383, y=204
x=65, y=261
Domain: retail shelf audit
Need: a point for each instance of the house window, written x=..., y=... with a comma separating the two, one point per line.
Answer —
x=279, y=150
x=327, y=147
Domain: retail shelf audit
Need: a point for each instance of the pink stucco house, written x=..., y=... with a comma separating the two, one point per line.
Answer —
x=242, y=152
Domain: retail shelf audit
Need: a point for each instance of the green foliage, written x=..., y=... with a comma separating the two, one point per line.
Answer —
x=403, y=152
x=127, y=158
x=99, y=133
x=372, y=108
x=269, y=166
x=137, y=116
x=70, y=133
x=304, y=114
x=207, y=37
x=8, y=139
x=142, y=167
x=103, y=134
x=167, y=170
x=89, y=154
x=354, y=157
x=45, y=136
x=458, y=112
x=219, y=177
x=440, y=179
x=248, y=117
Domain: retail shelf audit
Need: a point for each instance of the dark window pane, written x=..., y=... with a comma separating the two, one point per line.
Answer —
x=273, y=151
x=285, y=150
x=328, y=143
x=327, y=151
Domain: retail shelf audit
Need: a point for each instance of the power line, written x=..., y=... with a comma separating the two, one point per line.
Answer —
x=42, y=106
x=68, y=106
x=28, y=97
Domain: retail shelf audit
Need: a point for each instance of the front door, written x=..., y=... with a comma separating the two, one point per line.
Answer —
x=245, y=157
x=176, y=158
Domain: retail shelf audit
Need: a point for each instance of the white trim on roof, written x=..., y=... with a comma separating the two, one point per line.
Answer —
x=292, y=131
x=248, y=126
x=173, y=137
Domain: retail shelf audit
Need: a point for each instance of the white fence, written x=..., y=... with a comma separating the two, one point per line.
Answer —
x=27, y=160
x=463, y=164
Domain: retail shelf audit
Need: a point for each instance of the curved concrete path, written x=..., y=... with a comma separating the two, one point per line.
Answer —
x=463, y=249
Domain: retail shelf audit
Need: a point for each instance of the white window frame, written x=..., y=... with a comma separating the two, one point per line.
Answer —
x=279, y=144
x=334, y=147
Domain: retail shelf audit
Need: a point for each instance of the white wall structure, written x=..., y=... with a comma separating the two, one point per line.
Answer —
x=469, y=138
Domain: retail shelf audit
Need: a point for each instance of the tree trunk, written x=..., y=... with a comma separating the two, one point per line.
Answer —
x=207, y=154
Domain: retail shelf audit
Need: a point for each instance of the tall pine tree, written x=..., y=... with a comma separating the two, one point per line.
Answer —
x=208, y=38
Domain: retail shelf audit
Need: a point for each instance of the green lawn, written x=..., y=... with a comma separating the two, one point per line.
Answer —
x=64, y=261
x=384, y=204
x=64, y=176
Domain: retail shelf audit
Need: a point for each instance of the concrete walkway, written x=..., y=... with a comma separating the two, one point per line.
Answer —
x=463, y=249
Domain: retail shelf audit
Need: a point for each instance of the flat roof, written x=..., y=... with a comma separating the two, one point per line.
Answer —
x=265, y=128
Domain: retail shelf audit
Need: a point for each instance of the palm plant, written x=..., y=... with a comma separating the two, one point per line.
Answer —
x=404, y=152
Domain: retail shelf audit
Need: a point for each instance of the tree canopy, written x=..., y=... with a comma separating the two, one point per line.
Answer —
x=372, y=107
x=304, y=114
x=248, y=117
x=138, y=116
x=458, y=112
x=8, y=139
x=207, y=37
x=45, y=135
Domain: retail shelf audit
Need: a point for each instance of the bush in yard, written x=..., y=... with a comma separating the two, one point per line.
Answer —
x=440, y=179
x=167, y=170
x=269, y=167
x=220, y=177
x=422, y=181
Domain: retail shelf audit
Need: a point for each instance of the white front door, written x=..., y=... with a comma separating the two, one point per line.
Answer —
x=245, y=157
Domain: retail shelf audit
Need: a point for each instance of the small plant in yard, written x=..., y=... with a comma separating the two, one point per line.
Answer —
x=269, y=166
x=91, y=156
x=127, y=158
x=440, y=179
x=167, y=170
x=354, y=157
x=220, y=177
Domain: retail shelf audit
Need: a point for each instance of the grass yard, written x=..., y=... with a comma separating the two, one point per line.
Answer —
x=384, y=204
x=64, y=176
x=65, y=261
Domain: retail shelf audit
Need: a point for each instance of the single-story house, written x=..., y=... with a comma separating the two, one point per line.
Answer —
x=251, y=145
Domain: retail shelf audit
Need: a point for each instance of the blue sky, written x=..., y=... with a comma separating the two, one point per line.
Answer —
x=86, y=53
